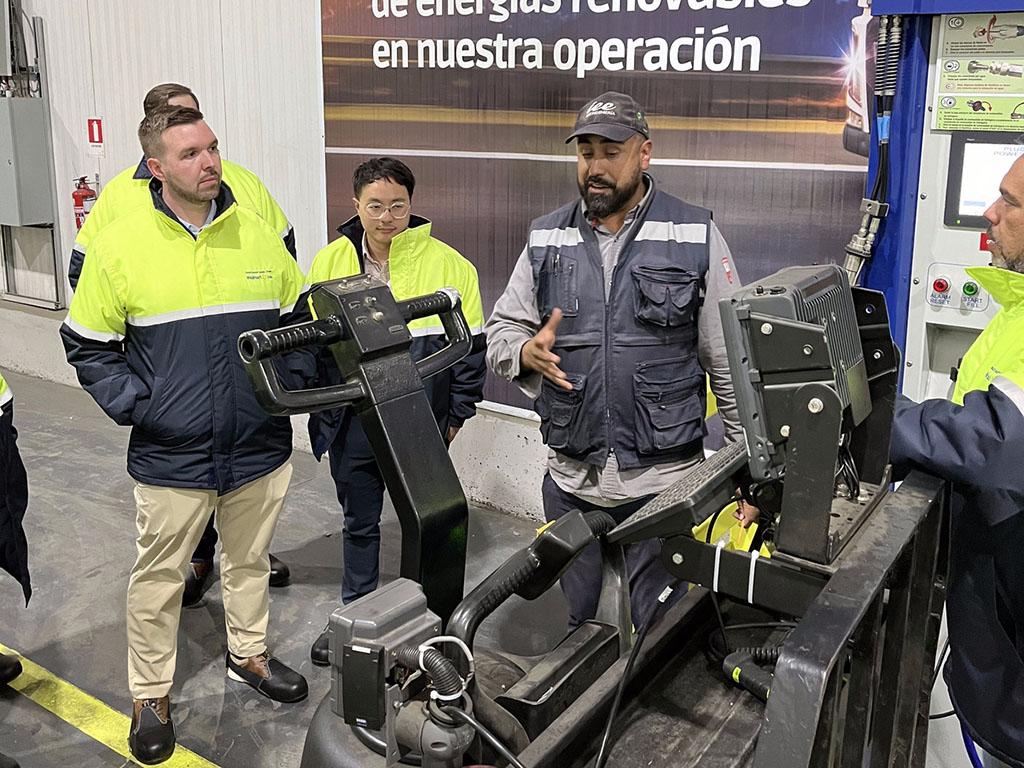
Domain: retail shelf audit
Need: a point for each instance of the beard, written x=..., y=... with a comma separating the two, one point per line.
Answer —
x=196, y=196
x=1012, y=262
x=602, y=204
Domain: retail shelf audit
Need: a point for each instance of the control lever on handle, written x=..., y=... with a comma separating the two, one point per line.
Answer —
x=258, y=347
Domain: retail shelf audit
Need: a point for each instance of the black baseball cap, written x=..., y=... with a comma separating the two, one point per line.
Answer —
x=612, y=115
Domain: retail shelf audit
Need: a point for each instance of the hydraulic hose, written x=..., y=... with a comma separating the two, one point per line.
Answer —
x=442, y=673
x=744, y=670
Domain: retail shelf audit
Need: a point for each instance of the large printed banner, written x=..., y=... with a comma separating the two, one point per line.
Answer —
x=758, y=110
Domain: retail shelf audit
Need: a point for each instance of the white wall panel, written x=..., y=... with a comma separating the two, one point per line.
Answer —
x=280, y=131
x=255, y=65
x=136, y=45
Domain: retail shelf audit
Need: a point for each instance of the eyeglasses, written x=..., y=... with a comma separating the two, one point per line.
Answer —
x=398, y=210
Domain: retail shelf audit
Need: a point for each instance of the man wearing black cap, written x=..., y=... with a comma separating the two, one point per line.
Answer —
x=603, y=323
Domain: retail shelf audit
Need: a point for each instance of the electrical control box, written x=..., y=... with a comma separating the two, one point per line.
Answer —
x=26, y=194
x=6, y=44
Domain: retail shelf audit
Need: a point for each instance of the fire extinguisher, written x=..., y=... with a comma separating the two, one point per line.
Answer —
x=84, y=197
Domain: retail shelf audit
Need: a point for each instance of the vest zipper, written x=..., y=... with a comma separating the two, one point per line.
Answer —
x=607, y=355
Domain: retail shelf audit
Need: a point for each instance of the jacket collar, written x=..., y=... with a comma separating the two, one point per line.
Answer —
x=405, y=245
x=142, y=172
x=1006, y=287
x=225, y=199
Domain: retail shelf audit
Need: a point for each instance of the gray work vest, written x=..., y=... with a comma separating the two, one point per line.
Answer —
x=638, y=387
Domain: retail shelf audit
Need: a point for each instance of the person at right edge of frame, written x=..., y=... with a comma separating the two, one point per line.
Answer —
x=976, y=441
x=610, y=322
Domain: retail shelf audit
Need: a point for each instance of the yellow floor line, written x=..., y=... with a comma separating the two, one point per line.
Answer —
x=87, y=713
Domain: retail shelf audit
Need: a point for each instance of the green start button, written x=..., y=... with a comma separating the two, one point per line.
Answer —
x=970, y=288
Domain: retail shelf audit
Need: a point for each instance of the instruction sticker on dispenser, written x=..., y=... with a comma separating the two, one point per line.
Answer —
x=994, y=76
x=981, y=65
x=980, y=112
x=982, y=35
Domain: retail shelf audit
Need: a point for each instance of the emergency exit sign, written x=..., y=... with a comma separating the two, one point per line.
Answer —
x=95, y=129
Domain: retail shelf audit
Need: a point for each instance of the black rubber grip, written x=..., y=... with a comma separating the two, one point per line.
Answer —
x=261, y=345
x=425, y=306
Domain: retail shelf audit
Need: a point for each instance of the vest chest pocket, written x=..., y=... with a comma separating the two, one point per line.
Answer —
x=557, y=280
x=665, y=296
x=669, y=412
x=558, y=408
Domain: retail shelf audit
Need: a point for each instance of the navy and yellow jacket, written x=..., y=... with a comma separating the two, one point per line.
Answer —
x=419, y=264
x=152, y=333
x=977, y=443
x=130, y=190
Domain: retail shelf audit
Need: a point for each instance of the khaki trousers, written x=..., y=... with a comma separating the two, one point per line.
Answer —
x=170, y=523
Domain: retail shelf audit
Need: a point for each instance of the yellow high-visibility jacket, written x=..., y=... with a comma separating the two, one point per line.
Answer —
x=152, y=332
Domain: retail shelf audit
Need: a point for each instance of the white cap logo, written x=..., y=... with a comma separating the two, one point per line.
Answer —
x=600, y=108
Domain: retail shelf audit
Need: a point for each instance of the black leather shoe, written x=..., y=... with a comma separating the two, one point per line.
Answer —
x=151, y=739
x=270, y=677
x=198, y=579
x=280, y=576
x=8, y=762
x=10, y=668
x=320, y=652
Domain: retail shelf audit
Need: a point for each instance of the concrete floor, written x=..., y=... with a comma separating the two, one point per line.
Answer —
x=81, y=531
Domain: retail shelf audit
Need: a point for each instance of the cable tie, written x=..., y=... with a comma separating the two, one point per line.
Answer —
x=434, y=694
x=750, y=578
x=718, y=562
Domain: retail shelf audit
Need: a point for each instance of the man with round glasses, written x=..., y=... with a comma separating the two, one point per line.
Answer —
x=385, y=241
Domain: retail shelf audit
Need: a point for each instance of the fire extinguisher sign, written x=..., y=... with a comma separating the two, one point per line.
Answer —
x=95, y=125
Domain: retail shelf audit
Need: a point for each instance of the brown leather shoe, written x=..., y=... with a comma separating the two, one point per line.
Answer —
x=151, y=739
x=269, y=676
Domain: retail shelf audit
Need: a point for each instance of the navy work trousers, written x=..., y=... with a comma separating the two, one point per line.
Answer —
x=360, y=488
x=581, y=583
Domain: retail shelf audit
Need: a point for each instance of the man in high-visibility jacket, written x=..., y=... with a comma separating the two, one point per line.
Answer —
x=977, y=442
x=387, y=242
x=13, y=503
x=152, y=333
x=130, y=190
